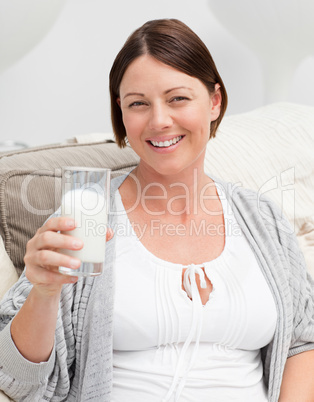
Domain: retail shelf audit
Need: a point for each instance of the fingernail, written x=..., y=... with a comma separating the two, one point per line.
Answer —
x=77, y=243
x=70, y=223
x=75, y=263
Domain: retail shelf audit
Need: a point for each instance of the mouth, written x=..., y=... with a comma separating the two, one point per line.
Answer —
x=166, y=144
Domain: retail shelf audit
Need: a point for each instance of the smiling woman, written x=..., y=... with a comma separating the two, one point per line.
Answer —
x=203, y=282
x=160, y=119
x=166, y=41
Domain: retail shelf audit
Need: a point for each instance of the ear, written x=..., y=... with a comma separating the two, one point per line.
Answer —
x=216, y=99
x=118, y=100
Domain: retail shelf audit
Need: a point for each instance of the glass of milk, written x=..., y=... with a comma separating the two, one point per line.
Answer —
x=85, y=198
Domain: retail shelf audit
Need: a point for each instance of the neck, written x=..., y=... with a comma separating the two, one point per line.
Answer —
x=179, y=194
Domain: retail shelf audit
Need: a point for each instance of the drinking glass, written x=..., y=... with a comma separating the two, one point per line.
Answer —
x=85, y=198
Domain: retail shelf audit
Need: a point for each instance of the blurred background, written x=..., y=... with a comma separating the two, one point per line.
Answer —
x=55, y=57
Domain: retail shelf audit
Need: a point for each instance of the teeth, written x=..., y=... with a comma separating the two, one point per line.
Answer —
x=165, y=144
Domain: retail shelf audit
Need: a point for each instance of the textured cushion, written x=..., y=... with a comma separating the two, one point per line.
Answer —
x=30, y=186
x=4, y=398
x=271, y=150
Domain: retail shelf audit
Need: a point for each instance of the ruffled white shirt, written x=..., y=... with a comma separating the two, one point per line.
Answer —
x=167, y=345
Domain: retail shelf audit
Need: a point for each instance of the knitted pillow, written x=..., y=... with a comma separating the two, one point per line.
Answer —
x=270, y=150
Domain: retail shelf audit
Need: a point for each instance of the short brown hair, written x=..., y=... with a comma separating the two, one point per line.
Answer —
x=175, y=44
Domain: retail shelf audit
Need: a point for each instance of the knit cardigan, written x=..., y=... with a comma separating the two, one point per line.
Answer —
x=80, y=365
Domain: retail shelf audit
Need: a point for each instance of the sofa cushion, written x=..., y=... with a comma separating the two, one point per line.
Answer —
x=271, y=150
x=30, y=183
x=4, y=398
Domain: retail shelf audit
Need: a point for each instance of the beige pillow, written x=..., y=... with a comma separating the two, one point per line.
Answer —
x=30, y=186
x=271, y=150
x=8, y=273
x=4, y=398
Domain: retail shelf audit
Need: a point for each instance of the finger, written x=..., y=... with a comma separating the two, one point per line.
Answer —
x=59, y=223
x=109, y=234
x=55, y=240
x=52, y=260
x=47, y=278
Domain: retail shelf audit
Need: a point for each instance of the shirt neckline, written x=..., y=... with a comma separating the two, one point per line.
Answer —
x=229, y=219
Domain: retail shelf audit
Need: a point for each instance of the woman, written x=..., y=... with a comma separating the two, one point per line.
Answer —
x=211, y=301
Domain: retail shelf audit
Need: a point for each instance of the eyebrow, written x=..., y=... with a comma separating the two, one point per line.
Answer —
x=166, y=92
x=133, y=93
x=175, y=88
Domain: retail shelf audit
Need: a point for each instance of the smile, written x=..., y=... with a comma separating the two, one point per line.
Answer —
x=166, y=144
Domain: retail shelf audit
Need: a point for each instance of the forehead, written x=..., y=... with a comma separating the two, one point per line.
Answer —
x=148, y=71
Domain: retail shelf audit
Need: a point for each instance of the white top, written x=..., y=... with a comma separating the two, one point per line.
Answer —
x=168, y=347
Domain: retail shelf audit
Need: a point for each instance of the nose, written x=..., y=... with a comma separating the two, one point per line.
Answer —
x=160, y=117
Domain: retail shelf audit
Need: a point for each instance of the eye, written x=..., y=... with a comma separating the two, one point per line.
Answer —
x=179, y=99
x=136, y=104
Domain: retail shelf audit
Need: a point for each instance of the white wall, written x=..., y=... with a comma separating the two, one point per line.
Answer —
x=60, y=89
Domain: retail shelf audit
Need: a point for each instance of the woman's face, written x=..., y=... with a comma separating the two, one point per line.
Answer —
x=167, y=115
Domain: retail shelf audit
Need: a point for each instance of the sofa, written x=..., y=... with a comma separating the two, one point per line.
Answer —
x=269, y=149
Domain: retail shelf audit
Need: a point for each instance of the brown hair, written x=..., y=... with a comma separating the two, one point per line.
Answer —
x=175, y=44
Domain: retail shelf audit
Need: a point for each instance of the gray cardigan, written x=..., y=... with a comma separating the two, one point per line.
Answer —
x=80, y=366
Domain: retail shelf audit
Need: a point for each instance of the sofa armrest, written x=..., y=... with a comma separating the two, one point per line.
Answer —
x=4, y=397
x=30, y=186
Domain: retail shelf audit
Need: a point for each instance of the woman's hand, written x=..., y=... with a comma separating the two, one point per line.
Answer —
x=42, y=258
x=33, y=328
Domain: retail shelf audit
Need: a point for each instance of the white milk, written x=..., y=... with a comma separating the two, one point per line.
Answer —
x=88, y=209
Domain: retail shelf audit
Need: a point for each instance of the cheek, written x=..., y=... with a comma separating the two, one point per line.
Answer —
x=195, y=121
x=132, y=124
x=196, y=116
